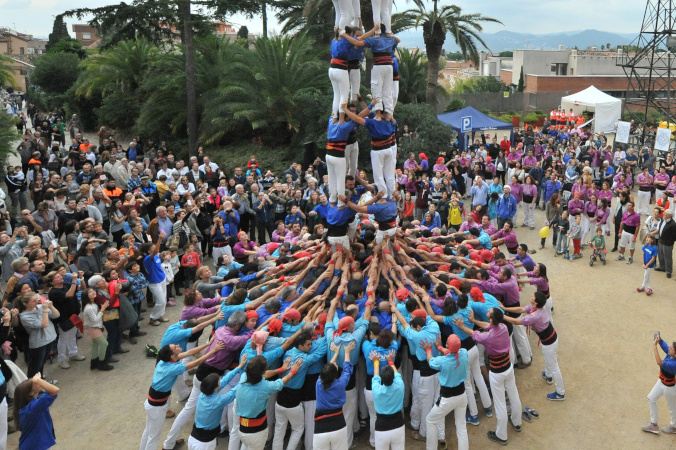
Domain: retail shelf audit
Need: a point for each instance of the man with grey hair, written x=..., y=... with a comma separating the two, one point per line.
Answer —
x=244, y=211
x=122, y=174
x=160, y=223
x=665, y=246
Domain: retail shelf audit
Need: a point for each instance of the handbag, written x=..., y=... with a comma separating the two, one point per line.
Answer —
x=111, y=314
x=128, y=315
x=173, y=241
x=77, y=322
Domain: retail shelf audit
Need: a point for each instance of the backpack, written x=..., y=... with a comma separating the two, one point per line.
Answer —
x=151, y=351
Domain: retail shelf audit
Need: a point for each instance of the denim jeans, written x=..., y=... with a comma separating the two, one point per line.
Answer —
x=562, y=246
x=114, y=336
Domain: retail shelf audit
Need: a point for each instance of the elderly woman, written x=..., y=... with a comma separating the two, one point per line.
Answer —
x=111, y=316
x=63, y=297
x=35, y=315
x=244, y=248
x=207, y=285
x=186, y=187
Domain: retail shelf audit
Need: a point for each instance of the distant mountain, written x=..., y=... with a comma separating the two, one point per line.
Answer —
x=510, y=40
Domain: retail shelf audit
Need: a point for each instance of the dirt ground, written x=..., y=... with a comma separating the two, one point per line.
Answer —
x=605, y=353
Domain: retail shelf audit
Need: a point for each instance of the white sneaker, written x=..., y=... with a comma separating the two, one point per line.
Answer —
x=64, y=365
x=78, y=358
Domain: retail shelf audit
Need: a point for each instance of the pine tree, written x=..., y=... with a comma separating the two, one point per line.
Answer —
x=521, y=84
x=59, y=31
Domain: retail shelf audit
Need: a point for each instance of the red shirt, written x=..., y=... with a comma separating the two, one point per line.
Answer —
x=191, y=260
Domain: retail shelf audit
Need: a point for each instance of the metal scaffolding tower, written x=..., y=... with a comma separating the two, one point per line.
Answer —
x=650, y=64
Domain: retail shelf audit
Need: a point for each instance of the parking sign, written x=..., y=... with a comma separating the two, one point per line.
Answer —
x=466, y=124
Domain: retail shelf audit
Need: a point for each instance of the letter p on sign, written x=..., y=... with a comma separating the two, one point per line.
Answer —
x=466, y=124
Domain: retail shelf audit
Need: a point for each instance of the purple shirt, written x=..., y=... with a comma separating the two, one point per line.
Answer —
x=602, y=215
x=671, y=188
x=490, y=229
x=608, y=195
x=495, y=339
x=661, y=178
x=516, y=192
x=579, y=189
x=590, y=209
x=540, y=283
x=644, y=180
x=631, y=220
x=233, y=346
x=408, y=164
x=508, y=290
x=575, y=207
x=530, y=161
x=537, y=318
x=280, y=237
x=509, y=239
x=206, y=306
x=529, y=189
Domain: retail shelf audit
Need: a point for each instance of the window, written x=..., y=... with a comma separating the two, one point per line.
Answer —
x=22, y=50
x=86, y=36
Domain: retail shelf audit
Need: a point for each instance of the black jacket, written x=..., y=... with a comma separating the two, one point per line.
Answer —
x=668, y=234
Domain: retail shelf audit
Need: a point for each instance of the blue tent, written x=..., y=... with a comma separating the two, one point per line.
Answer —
x=480, y=122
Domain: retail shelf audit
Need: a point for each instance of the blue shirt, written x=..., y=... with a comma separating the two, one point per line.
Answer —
x=527, y=262
x=230, y=223
x=337, y=216
x=153, y=266
x=315, y=354
x=649, y=252
x=450, y=375
x=495, y=188
x=210, y=407
x=383, y=211
x=481, y=309
x=252, y=399
x=334, y=396
x=464, y=315
x=485, y=239
x=429, y=333
x=293, y=218
x=388, y=399
x=338, y=132
x=551, y=188
x=177, y=335
x=379, y=129
x=479, y=194
x=669, y=363
x=360, y=327
x=368, y=346
x=381, y=44
x=274, y=356
x=228, y=310
x=340, y=49
x=35, y=423
x=165, y=375
x=127, y=228
x=355, y=53
x=223, y=270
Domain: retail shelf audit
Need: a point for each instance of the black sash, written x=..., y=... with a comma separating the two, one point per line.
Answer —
x=387, y=422
x=203, y=435
x=289, y=398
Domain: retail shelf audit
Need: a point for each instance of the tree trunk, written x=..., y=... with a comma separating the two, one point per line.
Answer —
x=433, y=55
x=190, y=83
x=264, y=8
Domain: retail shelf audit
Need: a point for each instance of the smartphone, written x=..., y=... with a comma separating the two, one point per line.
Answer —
x=657, y=333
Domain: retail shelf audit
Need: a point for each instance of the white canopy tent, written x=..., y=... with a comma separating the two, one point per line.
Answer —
x=607, y=109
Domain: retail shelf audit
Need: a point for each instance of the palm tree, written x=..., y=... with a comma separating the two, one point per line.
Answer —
x=412, y=76
x=120, y=68
x=6, y=72
x=263, y=91
x=313, y=17
x=436, y=24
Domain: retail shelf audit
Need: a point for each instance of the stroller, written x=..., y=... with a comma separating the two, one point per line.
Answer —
x=566, y=192
x=597, y=253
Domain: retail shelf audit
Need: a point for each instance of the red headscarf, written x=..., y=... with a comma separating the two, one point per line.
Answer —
x=292, y=314
x=275, y=326
x=251, y=314
x=321, y=323
x=453, y=346
x=422, y=156
x=343, y=325
x=477, y=295
x=419, y=313
x=401, y=294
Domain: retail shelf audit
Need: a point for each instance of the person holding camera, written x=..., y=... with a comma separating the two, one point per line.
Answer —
x=35, y=315
x=63, y=296
x=665, y=386
x=265, y=216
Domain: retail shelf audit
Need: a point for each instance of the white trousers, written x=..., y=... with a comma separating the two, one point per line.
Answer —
x=309, y=408
x=350, y=413
x=669, y=393
x=474, y=374
x=522, y=343
x=252, y=441
x=646, y=279
x=336, y=168
x=381, y=87
x=627, y=239
x=344, y=13
x=180, y=390
x=355, y=82
x=284, y=416
x=384, y=163
x=380, y=234
x=382, y=13
x=356, y=10
x=270, y=412
x=351, y=158
x=395, y=93
x=159, y=291
x=529, y=214
x=67, y=345
x=552, y=366
x=643, y=206
x=185, y=416
x=588, y=226
x=501, y=383
x=194, y=444
x=334, y=440
x=187, y=359
x=368, y=396
x=437, y=419
x=427, y=391
x=391, y=439
x=218, y=251
x=3, y=423
x=342, y=240
x=231, y=419
x=340, y=80
x=155, y=416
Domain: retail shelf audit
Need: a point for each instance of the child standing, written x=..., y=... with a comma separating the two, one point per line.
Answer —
x=190, y=262
x=176, y=267
x=93, y=324
x=575, y=234
x=493, y=208
x=169, y=274
x=649, y=257
x=562, y=244
x=598, y=244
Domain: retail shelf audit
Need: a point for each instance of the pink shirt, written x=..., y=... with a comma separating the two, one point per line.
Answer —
x=495, y=339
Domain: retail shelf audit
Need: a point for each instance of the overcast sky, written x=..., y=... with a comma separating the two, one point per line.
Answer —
x=532, y=16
